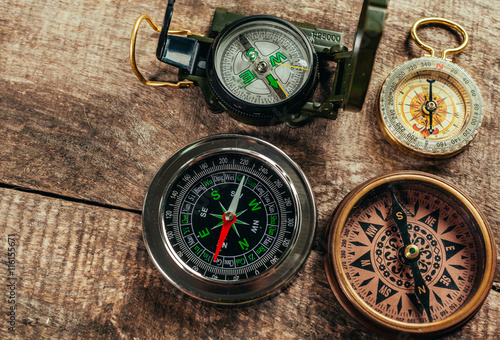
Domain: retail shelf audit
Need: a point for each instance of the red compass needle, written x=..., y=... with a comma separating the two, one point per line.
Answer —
x=228, y=220
x=229, y=217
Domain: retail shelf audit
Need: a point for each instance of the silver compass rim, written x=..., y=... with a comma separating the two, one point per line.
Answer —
x=230, y=292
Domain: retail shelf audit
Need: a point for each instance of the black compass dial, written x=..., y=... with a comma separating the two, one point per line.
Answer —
x=198, y=200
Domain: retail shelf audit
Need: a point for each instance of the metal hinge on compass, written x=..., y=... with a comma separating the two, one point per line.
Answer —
x=263, y=70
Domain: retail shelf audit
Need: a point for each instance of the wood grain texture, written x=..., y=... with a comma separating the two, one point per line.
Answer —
x=83, y=272
x=76, y=122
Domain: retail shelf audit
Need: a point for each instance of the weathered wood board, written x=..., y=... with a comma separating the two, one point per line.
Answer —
x=77, y=125
x=83, y=272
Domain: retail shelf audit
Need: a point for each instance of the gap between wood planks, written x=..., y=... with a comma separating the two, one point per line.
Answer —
x=318, y=246
x=68, y=198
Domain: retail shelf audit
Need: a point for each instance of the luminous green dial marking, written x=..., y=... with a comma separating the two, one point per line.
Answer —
x=278, y=58
x=247, y=76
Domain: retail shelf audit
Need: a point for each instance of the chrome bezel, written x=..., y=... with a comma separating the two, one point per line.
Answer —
x=235, y=291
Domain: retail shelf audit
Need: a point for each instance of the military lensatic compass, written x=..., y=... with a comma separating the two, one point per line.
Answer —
x=430, y=107
x=410, y=253
x=263, y=70
x=229, y=219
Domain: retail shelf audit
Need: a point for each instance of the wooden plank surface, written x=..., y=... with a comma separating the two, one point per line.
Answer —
x=77, y=125
x=83, y=272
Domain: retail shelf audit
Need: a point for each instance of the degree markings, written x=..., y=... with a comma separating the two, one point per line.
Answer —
x=451, y=297
x=287, y=46
x=445, y=76
x=267, y=184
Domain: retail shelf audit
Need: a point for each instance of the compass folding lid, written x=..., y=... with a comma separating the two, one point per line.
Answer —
x=359, y=69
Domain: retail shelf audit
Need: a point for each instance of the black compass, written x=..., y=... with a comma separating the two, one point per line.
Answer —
x=229, y=219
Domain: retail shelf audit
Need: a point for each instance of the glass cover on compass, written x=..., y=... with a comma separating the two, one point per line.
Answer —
x=409, y=252
x=229, y=219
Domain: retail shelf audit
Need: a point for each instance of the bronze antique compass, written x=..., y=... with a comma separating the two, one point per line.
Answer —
x=410, y=253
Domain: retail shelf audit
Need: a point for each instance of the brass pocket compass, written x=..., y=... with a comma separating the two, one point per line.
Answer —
x=410, y=253
x=264, y=70
x=430, y=107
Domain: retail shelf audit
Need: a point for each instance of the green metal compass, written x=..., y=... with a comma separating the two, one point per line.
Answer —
x=263, y=70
